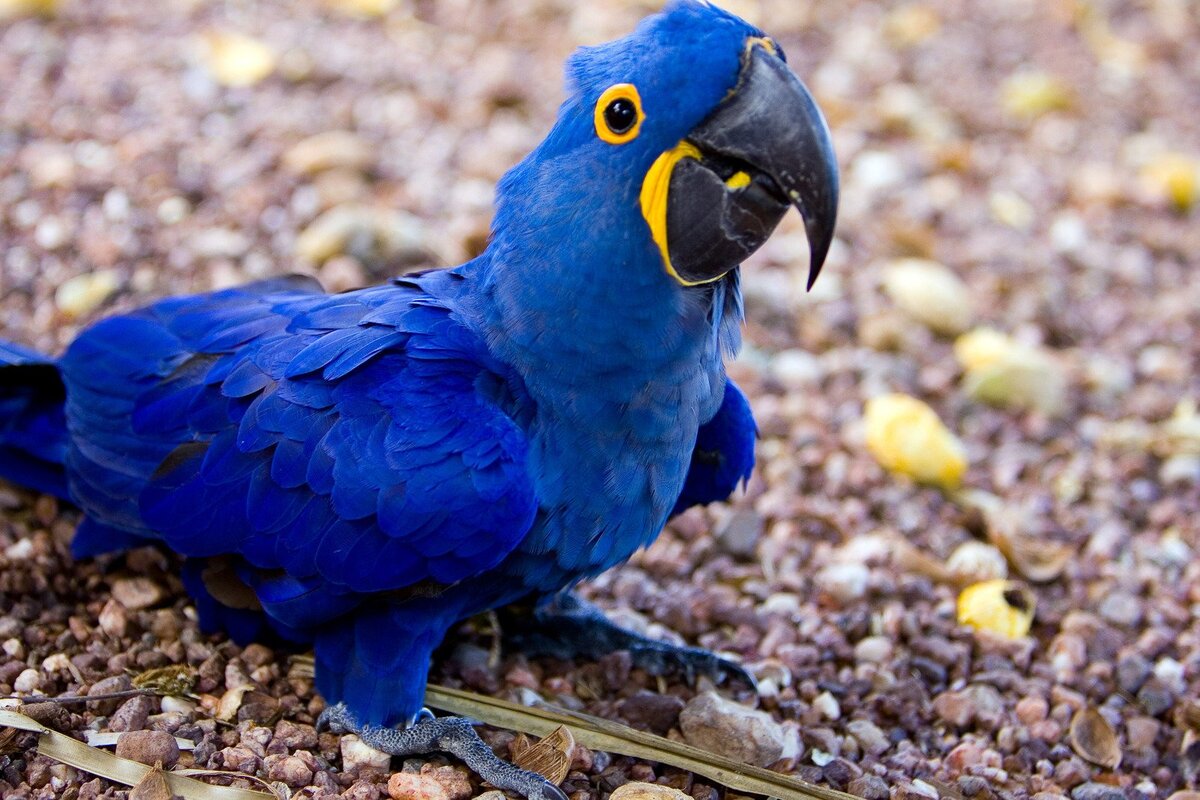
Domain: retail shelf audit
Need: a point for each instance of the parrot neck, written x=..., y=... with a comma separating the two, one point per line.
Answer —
x=631, y=330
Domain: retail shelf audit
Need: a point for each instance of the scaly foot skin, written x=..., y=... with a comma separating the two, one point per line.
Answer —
x=453, y=735
x=569, y=627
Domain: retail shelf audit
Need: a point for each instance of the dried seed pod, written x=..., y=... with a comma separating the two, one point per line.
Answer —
x=1187, y=715
x=236, y=60
x=1037, y=560
x=636, y=790
x=1029, y=94
x=1004, y=372
x=1002, y=607
x=1094, y=739
x=929, y=293
x=153, y=786
x=550, y=757
x=906, y=436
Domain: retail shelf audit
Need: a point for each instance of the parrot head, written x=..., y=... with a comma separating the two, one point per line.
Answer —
x=677, y=151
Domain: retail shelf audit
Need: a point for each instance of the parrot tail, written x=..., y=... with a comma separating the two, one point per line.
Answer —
x=33, y=427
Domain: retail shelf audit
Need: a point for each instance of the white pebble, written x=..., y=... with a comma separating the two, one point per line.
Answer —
x=845, y=582
x=925, y=789
x=356, y=755
x=977, y=562
x=19, y=550
x=1069, y=233
x=827, y=705
x=874, y=170
x=51, y=233
x=1170, y=672
x=178, y=705
x=873, y=650
x=116, y=205
x=28, y=681
x=796, y=369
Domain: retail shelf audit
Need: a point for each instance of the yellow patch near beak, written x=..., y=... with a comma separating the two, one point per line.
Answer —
x=656, y=187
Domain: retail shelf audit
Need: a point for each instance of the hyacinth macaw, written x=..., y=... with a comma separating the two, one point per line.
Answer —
x=361, y=471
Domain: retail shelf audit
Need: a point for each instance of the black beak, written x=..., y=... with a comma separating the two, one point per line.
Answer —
x=763, y=150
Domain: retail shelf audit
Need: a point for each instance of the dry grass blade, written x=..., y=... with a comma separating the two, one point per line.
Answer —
x=121, y=770
x=611, y=737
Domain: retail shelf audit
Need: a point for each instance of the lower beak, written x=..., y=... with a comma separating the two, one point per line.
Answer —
x=763, y=150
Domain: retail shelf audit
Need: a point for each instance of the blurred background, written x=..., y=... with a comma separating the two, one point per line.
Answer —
x=994, y=378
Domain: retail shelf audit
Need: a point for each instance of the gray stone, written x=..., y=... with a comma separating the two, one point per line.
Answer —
x=132, y=715
x=1097, y=791
x=713, y=723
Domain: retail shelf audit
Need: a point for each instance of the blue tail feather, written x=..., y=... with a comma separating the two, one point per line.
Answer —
x=33, y=428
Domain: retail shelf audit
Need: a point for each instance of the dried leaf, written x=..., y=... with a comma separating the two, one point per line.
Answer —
x=1002, y=607
x=231, y=701
x=8, y=741
x=911, y=559
x=550, y=758
x=1094, y=739
x=152, y=787
x=1036, y=559
x=60, y=747
x=176, y=680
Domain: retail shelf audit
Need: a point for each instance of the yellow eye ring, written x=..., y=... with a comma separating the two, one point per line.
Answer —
x=618, y=115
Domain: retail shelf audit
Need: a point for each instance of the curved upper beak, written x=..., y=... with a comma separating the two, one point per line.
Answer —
x=770, y=123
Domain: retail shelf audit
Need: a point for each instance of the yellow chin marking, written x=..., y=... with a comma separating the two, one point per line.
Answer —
x=738, y=180
x=766, y=42
x=656, y=187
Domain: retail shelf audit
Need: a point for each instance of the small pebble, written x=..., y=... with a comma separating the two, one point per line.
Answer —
x=356, y=755
x=132, y=714
x=288, y=769
x=28, y=682
x=844, y=582
x=713, y=723
x=1097, y=791
x=149, y=747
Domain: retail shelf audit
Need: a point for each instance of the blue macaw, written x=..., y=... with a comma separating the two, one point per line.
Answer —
x=361, y=471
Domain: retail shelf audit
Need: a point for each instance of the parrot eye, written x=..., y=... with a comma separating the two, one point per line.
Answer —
x=619, y=115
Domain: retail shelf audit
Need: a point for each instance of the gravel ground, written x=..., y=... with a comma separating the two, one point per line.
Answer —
x=1040, y=151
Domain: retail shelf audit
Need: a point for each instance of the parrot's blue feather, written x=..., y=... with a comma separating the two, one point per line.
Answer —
x=364, y=470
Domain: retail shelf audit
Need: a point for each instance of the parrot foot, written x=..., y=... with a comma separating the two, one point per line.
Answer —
x=569, y=627
x=453, y=735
